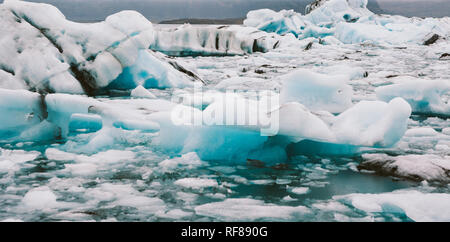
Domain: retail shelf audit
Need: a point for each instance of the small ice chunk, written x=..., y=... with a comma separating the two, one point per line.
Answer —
x=189, y=161
x=141, y=92
x=40, y=198
x=421, y=132
x=446, y=131
x=246, y=209
x=196, y=183
x=83, y=169
x=300, y=190
x=424, y=96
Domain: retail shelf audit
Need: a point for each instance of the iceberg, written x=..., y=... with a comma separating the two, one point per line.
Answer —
x=150, y=72
x=275, y=127
x=283, y=22
x=350, y=22
x=188, y=40
x=65, y=110
x=373, y=123
x=293, y=122
x=335, y=11
x=316, y=91
x=79, y=58
x=425, y=96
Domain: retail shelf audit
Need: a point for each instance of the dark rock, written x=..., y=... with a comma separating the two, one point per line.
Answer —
x=432, y=39
x=281, y=166
x=317, y=3
x=276, y=45
x=259, y=71
x=257, y=47
x=391, y=76
x=445, y=55
x=85, y=78
x=255, y=163
x=309, y=46
x=186, y=71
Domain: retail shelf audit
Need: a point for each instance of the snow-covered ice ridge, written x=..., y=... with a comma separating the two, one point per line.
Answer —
x=100, y=118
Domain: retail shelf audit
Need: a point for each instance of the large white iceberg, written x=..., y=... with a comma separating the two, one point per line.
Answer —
x=78, y=57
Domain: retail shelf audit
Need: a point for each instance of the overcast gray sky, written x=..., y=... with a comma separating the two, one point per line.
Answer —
x=157, y=10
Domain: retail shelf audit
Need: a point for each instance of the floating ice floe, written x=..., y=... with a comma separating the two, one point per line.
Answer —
x=196, y=183
x=245, y=209
x=189, y=160
x=415, y=167
x=10, y=160
x=418, y=206
x=425, y=96
x=40, y=198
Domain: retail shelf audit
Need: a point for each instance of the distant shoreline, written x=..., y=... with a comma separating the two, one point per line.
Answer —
x=204, y=21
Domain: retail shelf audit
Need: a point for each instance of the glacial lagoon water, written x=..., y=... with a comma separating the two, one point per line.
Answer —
x=133, y=181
